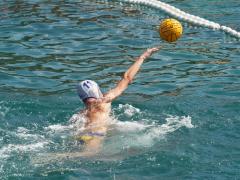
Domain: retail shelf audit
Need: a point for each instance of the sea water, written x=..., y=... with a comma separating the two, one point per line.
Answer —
x=179, y=119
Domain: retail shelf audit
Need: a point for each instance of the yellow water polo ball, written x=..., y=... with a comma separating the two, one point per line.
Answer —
x=170, y=30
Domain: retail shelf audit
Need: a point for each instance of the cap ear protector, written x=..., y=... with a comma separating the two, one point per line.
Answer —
x=88, y=89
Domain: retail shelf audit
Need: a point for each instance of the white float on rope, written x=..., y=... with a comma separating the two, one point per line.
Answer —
x=181, y=15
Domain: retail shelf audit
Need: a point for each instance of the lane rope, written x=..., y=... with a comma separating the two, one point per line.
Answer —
x=183, y=16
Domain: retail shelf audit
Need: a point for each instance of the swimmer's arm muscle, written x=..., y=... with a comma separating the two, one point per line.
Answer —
x=128, y=76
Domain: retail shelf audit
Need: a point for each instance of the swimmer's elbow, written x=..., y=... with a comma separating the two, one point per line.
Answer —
x=127, y=78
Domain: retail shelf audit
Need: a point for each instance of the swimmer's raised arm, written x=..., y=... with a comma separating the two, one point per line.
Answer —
x=128, y=76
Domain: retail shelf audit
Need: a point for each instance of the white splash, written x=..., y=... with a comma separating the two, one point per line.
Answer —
x=128, y=126
x=141, y=133
x=159, y=132
x=28, y=142
x=122, y=134
x=58, y=128
x=19, y=148
x=25, y=134
x=128, y=109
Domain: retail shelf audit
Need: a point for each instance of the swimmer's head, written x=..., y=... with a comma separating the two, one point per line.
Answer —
x=88, y=89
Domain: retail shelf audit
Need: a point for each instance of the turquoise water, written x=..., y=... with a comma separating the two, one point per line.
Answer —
x=178, y=120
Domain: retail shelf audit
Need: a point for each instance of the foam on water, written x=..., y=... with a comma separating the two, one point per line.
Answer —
x=146, y=132
x=158, y=132
x=129, y=126
x=58, y=128
x=172, y=122
x=128, y=109
x=27, y=142
x=21, y=148
x=123, y=134
x=24, y=133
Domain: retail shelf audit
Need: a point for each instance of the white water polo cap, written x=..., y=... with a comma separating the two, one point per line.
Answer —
x=89, y=89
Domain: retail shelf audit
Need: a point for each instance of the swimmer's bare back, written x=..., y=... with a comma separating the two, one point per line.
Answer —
x=97, y=110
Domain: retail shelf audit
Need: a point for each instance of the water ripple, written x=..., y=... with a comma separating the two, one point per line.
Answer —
x=48, y=46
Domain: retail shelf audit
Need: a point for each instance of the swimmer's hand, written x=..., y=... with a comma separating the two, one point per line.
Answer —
x=149, y=52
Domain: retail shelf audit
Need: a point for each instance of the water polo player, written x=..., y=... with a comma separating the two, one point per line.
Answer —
x=98, y=107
